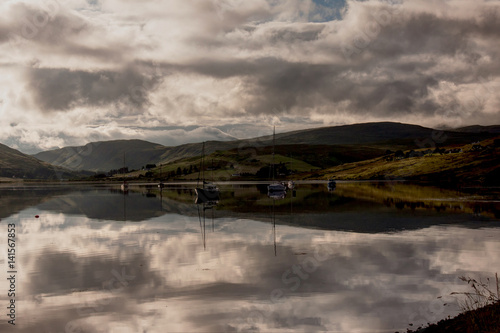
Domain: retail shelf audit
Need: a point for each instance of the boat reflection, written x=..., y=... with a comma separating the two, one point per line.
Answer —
x=274, y=228
x=277, y=195
x=331, y=185
x=205, y=204
x=206, y=201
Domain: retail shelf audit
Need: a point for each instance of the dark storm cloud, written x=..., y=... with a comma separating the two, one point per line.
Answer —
x=390, y=73
x=62, y=272
x=380, y=78
x=4, y=33
x=287, y=35
x=422, y=33
x=59, y=89
x=280, y=86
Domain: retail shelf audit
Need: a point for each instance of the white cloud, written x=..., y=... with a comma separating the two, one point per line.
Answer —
x=229, y=62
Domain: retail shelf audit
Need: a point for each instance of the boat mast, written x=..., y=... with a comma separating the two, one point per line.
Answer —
x=203, y=165
x=274, y=142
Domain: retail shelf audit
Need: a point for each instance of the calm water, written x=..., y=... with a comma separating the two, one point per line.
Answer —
x=367, y=257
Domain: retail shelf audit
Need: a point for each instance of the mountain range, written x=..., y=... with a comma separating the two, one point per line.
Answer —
x=368, y=140
x=321, y=147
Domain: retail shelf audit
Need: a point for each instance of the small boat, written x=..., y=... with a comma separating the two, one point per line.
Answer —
x=208, y=192
x=160, y=184
x=331, y=184
x=277, y=195
x=124, y=185
x=275, y=186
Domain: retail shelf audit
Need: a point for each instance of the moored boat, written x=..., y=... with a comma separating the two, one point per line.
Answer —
x=208, y=191
x=331, y=184
x=275, y=186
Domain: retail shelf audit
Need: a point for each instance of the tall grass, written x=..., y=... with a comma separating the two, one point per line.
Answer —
x=482, y=293
x=481, y=305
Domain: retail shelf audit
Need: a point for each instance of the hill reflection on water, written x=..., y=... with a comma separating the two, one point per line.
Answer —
x=359, y=207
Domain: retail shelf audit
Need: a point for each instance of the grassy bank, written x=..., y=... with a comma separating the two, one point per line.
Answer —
x=467, y=167
x=482, y=320
x=480, y=306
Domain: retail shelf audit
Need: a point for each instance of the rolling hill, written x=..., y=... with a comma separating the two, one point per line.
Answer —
x=341, y=144
x=480, y=129
x=104, y=155
x=14, y=164
x=469, y=166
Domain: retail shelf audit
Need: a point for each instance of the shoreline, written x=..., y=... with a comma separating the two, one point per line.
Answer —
x=485, y=320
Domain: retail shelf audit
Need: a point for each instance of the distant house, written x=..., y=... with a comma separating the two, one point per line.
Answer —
x=428, y=152
x=414, y=153
x=399, y=155
x=476, y=148
x=439, y=151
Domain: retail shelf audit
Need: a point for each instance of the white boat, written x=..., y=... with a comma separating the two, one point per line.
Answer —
x=124, y=187
x=275, y=186
x=208, y=191
x=160, y=184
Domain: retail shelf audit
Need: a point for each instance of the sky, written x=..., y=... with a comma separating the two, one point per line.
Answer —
x=178, y=71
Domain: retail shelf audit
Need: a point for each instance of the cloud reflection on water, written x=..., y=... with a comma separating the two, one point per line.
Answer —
x=366, y=282
x=98, y=261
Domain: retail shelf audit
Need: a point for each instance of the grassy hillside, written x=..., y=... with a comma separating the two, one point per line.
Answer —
x=469, y=166
x=234, y=163
x=14, y=164
x=479, y=129
x=224, y=165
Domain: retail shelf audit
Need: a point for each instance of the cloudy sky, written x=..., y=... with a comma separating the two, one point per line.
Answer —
x=176, y=71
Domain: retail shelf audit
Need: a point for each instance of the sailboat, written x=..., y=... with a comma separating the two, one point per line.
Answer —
x=208, y=191
x=124, y=185
x=331, y=184
x=276, y=188
x=160, y=184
